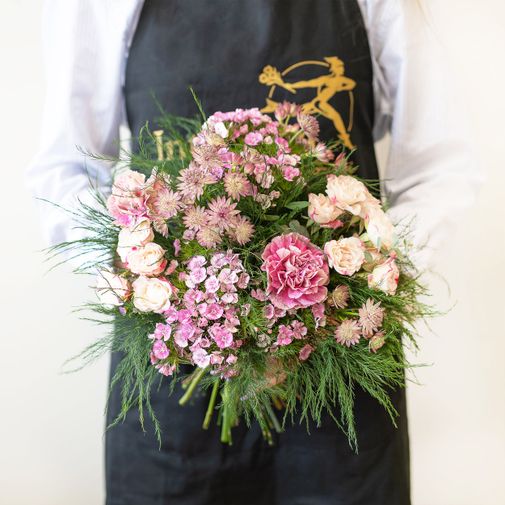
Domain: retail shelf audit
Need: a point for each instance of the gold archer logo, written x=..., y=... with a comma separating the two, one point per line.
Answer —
x=327, y=85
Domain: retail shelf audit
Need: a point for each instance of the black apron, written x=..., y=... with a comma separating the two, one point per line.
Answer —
x=256, y=53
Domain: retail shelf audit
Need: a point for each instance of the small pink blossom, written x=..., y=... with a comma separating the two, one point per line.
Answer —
x=214, y=311
x=201, y=358
x=290, y=173
x=208, y=237
x=259, y=295
x=253, y=138
x=183, y=334
x=177, y=247
x=196, y=262
x=305, y=352
x=166, y=369
x=230, y=298
x=160, y=349
x=197, y=275
x=221, y=335
x=128, y=198
x=299, y=329
x=171, y=315
x=285, y=335
x=162, y=331
x=269, y=311
x=216, y=358
x=243, y=280
x=212, y=284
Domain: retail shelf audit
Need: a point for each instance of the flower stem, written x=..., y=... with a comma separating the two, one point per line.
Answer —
x=226, y=426
x=192, y=385
x=212, y=404
x=273, y=417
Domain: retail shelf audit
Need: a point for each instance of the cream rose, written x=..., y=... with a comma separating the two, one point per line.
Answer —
x=151, y=294
x=385, y=277
x=347, y=193
x=111, y=289
x=345, y=255
x=147, y=260
x=137, y=235
x=321, y=210
x=380, y=229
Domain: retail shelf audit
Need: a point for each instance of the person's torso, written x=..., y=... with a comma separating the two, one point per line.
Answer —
x=256, y=53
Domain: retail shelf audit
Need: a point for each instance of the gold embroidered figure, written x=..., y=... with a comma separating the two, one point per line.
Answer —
x=327, y=85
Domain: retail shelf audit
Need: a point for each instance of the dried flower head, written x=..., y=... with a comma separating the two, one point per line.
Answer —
x=340, y=297
x=370, y=317
x=348, y=333
x=309, y=125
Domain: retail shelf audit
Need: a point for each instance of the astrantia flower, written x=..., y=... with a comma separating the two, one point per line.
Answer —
x=208, y=237
x=340, y=297
x=195, y=218
x=192, y=181
x=370, y=317
x=164, y=203
x=207, y=155
x=242, y=230
x=309, y=125
x=348, y=333
x=222, y=212
x=237, y=185
x=322, y=153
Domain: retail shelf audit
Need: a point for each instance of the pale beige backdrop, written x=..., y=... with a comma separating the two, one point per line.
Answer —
x=51, y=425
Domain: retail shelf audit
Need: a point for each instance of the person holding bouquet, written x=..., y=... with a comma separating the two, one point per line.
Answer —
x=366, y=68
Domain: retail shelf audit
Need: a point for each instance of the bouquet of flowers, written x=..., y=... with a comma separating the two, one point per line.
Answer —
x=244, y=246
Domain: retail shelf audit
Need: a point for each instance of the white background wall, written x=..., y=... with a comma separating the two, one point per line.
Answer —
x=51, y=424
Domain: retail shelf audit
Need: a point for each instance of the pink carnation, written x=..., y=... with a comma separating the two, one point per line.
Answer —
x=297, y=272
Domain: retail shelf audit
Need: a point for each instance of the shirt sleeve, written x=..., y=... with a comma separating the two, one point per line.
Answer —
x=431, y=174
x=83, y=46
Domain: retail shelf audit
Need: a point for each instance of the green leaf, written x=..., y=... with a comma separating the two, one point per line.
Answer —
x=269, y=217
x=298, y=228
x=297, y=205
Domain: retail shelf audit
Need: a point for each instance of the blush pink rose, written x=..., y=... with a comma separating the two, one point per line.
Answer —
x=385, y=277
x=128, y=198
x=323, y=212
x=347, y=193
x=147, y=260
x=152, y=294
x=380, y=229
x=345, y=255
x=297, y=272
